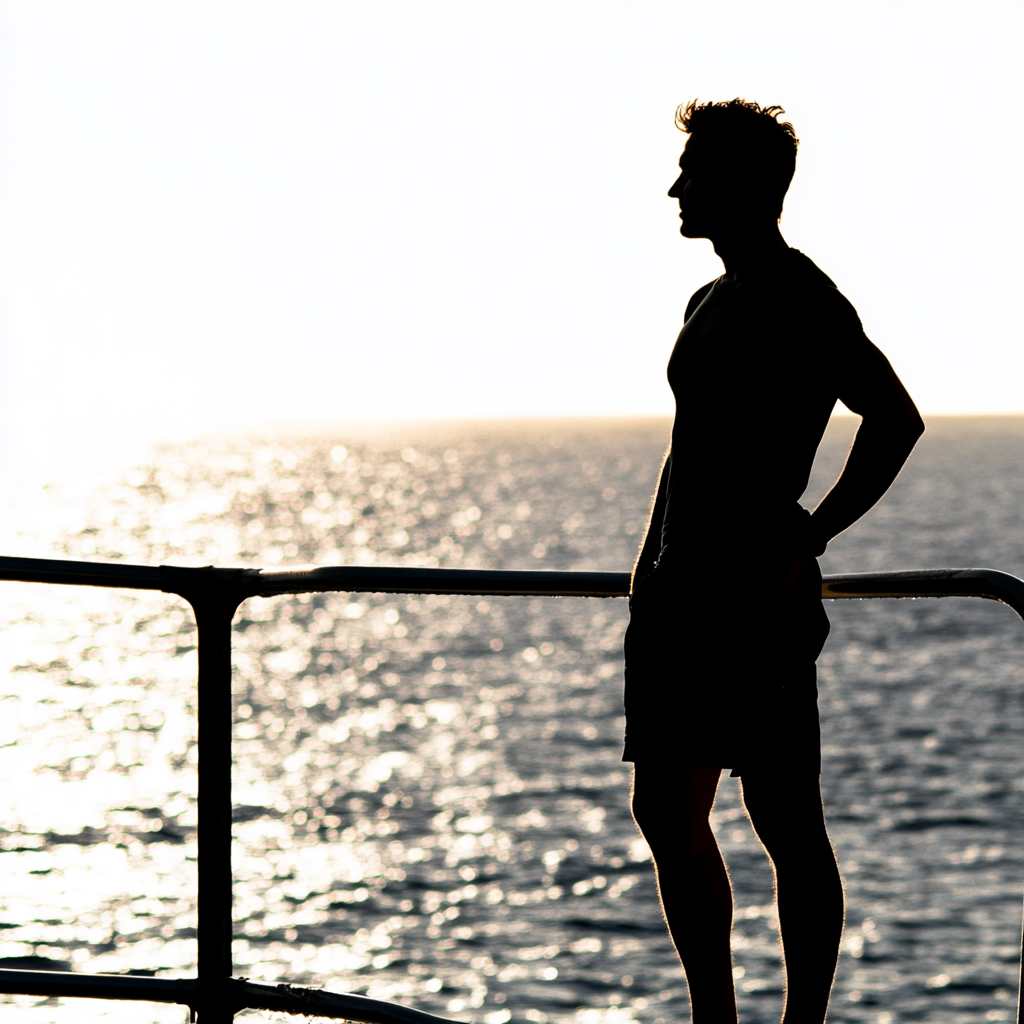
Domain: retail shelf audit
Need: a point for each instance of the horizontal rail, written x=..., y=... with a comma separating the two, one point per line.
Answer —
x=348, y=578
x=98, y=986
x=243, y=994
x=320, y=1003
x=80, y=574
x=986, y=583
x=482, y=582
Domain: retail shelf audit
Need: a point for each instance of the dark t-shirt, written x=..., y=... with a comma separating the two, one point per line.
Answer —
x=756, y=373
x=719, y=663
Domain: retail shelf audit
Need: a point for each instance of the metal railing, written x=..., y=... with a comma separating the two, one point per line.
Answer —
x=215, y=595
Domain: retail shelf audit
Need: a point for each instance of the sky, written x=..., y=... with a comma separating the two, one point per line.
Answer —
x=219, y=215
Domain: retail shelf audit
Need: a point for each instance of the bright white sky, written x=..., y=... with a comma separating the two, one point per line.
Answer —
x=238, y=212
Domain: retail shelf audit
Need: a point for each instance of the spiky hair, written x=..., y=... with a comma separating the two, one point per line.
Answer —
x=747, y=139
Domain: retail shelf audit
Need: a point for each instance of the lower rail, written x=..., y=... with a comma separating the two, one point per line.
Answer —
x=241, y=994
x=215, y=594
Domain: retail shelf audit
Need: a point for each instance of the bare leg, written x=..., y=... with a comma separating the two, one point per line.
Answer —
x=671, y=807
x=787, y=815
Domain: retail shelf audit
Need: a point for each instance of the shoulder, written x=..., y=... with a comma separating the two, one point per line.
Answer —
x=833, y=311
x=697, y=298
x=814, y=294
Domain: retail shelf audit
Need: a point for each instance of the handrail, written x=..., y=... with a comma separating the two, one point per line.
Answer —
x=215, y=594
x=247, y=995
x=985, y=583
x=988, y=583
x=80, y=574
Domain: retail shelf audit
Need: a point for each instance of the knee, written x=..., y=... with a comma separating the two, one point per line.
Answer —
x=671, y=834
x=645, y=814
x=788, y=818
x=805, y=850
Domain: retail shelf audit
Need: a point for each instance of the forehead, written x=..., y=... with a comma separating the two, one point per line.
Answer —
x=694, y=154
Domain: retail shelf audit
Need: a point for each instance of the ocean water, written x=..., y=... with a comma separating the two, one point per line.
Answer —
x=430, y=802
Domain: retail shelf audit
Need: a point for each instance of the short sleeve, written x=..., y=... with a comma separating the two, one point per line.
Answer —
x=697, y=298
x=861, y=375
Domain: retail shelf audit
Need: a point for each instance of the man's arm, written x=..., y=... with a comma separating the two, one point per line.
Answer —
x=889, y=429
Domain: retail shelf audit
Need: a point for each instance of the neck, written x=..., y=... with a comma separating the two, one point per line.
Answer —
x=746, y=252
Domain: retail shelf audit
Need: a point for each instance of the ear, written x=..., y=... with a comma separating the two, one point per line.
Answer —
x=748, y=199
x=741, y=195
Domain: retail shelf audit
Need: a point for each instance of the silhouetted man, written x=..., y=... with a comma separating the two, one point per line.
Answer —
x=727, y=619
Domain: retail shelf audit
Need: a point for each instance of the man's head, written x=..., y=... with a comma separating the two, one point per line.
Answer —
x=736, y=167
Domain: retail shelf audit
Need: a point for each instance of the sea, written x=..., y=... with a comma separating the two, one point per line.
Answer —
x=430, y=805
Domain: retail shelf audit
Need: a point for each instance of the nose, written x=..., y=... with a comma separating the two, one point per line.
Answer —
x=676, y=191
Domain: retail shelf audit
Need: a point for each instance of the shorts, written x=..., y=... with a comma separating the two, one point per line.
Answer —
x=714, y=680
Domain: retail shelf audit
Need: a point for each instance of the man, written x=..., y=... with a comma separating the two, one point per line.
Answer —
x=727, y=619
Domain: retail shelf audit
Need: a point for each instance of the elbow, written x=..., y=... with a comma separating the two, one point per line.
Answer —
x=908, y=430
x=909, y=433
x=898, y=428
x=905, y=421
x=915, y=425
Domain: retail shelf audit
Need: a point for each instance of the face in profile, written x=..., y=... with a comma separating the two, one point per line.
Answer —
x=708, y=201
x=693, y=189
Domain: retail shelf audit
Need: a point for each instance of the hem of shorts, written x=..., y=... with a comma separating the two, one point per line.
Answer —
x=734, y=773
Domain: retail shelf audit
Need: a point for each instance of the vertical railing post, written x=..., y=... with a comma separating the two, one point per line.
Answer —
x=214, y=597
x=1020, y=972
